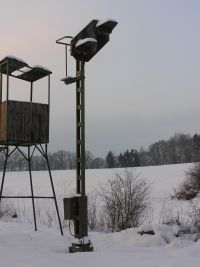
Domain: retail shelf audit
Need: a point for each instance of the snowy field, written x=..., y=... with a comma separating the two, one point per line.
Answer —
x=21, y=246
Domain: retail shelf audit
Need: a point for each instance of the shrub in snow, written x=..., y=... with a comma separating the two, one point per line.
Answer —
x=171, y=213
x=7, y=210
x=185, y=192
x=125, y=200
x=194, y=213
x=92, y=212
x=96, y=215
x=191, y=186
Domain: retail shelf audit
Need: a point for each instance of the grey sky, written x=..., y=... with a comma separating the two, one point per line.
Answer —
x=144, y=85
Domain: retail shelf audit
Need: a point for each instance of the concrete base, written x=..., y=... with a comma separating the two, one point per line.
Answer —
x=76, y=247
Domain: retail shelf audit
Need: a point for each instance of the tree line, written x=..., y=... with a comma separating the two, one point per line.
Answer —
x=181, y=148
x=60, y=160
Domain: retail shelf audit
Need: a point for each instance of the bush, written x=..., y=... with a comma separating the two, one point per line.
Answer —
x=185, y=191
x=125, y=200
x=7, y=210
x=194, y=213
x=92, y=213
x=193, y=175
x=191, y=186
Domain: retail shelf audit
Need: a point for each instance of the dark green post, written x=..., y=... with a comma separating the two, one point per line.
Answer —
x=80, y=223
x=83, y=47
x=80, y=127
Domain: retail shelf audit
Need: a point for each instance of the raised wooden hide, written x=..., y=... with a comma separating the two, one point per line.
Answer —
x=23, y=123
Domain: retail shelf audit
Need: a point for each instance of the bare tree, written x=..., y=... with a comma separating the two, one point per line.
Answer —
x=88, y=159
x=125, y=199
x=71, y=159
x=98, y=163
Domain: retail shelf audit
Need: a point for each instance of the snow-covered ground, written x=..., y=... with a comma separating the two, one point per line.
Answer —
x=21, y=246
x=163, y=180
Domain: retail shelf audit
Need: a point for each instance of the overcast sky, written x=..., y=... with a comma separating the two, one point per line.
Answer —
x=143, y=86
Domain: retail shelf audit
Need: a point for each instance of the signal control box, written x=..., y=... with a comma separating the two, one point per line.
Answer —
x=75, y=208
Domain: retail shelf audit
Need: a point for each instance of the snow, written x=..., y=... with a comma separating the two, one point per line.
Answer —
x=21, y=71
x=166, y=232
x=168, y=246
x=25, y=69
x=102, y=21
x=85, y=40
x=40, y=67
x=16, y=58
x=20, y=246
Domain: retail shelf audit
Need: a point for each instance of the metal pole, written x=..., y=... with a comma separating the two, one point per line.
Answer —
x=4, y=171
x=1, y=86
x=78, y=131
x=31, y=93
x=66, y=58
x=49, y=90
x=54, y=194
x=82, y=128
x=80, y=223
x=31, y=183
x=7, y=89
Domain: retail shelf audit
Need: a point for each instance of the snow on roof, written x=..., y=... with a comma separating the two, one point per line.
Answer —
x=25, y=69
x=85, y=40
x=41, y=67
x=102, y=21
x=19, y=72
x=16, y=58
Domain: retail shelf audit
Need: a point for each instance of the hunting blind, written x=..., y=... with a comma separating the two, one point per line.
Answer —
x=24, y=124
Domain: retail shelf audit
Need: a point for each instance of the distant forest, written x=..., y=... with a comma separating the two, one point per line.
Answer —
x=181, y=148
